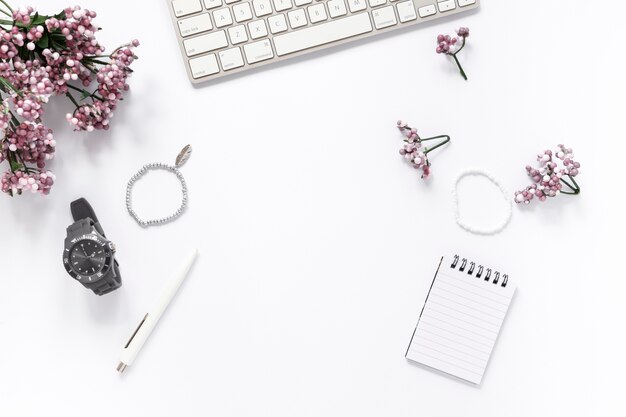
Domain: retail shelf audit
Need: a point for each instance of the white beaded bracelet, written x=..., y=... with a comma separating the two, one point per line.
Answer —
x=480, y=231
x=182, y=157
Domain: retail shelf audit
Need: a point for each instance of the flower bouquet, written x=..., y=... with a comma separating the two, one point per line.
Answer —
x=43, y=56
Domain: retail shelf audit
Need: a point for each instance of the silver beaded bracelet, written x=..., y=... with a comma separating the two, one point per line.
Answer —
x=182, y=157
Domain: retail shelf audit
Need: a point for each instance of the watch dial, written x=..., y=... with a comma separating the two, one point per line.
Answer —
x=87, y=257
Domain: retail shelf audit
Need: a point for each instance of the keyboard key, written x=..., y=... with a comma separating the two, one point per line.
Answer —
x=406, y=11
x=222, y=17
x=385, y=17
x=427, y=10
x=322, y=34
x=317, y=13
x=242, y=12
x=237, y=34
x=203, y=66
x=297, y=18
x=356, y=5
x=194, y=25
x=231, y=1
x=262, y=7
x=186, y=7
x=277, y=23
x=303, y=2
x=336, y=8
x=258, y=51
x=231, y=58
x=463, y=3
x=205, y=43
x=374, y=3
x=212, y=4
x=280, y=5
x=447, y=5
x=257, y=29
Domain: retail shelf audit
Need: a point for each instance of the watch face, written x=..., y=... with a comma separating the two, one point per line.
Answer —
x=88, y=258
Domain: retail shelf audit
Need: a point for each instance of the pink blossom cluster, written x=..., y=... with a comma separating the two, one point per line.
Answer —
x=16, y=182
x=548, y=181
x=412, y=149
x=112, y=82
x=42, y=56
x=22, y=15
x=452, y=45
x=446, y=44
x=32, y=141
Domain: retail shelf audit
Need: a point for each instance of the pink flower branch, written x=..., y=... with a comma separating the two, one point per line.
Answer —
x=412, y=150
x=448, y=45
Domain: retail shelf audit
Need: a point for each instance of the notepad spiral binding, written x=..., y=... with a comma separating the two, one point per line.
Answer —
x=479, y=271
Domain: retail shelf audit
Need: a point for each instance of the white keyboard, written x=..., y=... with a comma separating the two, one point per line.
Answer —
x=222, y=37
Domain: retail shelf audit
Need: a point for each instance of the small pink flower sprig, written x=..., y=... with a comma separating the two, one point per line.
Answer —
x=449, y=45
x=548, y=181
x=413, y=152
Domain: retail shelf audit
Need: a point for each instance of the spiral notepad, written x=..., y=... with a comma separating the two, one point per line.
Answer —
x=461, y=318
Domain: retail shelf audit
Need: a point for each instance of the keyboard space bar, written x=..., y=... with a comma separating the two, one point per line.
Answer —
x=322, y=34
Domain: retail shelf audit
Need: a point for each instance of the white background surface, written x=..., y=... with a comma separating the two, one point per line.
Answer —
x=317, y=242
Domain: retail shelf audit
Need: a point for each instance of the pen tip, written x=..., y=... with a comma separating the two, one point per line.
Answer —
x=120, y=367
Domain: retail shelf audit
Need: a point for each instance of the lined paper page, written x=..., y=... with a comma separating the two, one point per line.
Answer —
x=460, y=323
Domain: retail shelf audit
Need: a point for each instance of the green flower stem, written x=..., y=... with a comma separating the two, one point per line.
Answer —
x=575, y=188
x=96, y=61
x=459, y=65
x=90, y=68
x=14, y=119
x=427, y=150
x=461, y=48
x=27, y=169
x=435, y=137
x=85, y=92
x=570, y=186
x=11, y=159
x=7, y=5
x=72, y=99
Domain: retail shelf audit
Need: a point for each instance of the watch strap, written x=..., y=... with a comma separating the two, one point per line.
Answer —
x=81, y=209
x=110, y=282
x=81, y=227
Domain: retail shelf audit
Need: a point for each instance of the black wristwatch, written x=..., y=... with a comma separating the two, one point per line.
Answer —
x=88, y=256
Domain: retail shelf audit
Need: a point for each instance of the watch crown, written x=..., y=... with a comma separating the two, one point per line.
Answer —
x=112, y=246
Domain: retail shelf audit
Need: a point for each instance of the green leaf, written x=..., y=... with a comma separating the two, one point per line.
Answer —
x=57, y=45
x=16, y=166
x=39, y=19
x=44, y=41
x=84, y=95
x=8, y=86
x=61, y=16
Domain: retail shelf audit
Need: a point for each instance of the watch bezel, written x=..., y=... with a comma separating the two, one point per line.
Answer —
x=108, y=258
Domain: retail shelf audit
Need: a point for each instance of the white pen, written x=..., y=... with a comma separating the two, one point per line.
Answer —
x=149, y=321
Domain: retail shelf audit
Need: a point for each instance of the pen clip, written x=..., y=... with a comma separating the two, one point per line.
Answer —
x=136, y=330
